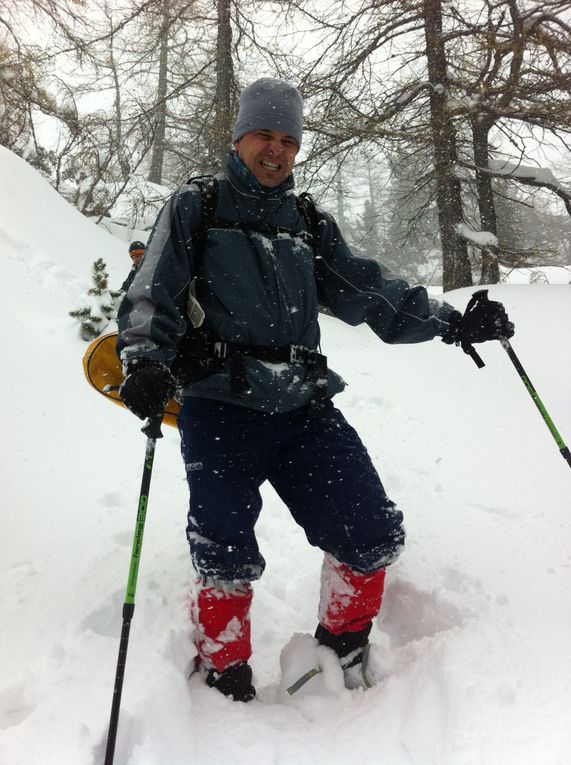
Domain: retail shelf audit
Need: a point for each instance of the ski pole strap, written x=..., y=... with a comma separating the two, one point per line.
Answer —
x=473, y=353
x=152, y=427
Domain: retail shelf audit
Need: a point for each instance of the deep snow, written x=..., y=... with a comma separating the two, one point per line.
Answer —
x=476, y=626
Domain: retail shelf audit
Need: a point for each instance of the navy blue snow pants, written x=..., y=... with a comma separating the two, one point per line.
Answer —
x=315, y=462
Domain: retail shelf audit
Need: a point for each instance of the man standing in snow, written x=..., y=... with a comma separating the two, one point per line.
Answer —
x=226, y=301
x=136, y=252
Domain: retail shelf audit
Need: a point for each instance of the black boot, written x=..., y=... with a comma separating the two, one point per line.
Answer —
x=348, y=645
x=234, y=681
x=352, y=648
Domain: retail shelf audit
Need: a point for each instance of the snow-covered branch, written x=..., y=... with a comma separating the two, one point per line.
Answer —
x=480, y=239
x=540, y=177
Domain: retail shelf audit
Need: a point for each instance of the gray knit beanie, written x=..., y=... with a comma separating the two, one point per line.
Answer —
x=269, y=104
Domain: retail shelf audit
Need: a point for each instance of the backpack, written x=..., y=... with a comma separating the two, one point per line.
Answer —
x=195, y=359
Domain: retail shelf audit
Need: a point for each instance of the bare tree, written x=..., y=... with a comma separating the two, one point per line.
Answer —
x=447, y=79
x=511, y=74
x=160, y=111
x=224, y=99
x=456, y=263
x=24, y=74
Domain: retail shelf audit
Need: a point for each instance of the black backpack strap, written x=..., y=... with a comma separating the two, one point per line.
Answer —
x=308, y=210
x=208, y=185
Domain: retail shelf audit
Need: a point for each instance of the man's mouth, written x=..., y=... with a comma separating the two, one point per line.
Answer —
x=265, y=163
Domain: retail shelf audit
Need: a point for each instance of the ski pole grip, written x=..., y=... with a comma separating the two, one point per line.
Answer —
x=479, y=296
x=152, y=427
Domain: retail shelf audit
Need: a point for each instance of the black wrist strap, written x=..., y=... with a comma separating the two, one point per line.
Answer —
x=471, y=351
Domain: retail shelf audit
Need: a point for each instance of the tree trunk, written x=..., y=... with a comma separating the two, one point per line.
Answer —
x=160, y=111
x=223, y=99
x=481, y=125
x=118, y=130
x=456, y=264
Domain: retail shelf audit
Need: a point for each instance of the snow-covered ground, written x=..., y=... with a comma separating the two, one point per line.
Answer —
x=475, y=633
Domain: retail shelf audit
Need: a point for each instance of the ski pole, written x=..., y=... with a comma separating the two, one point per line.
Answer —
x=506, y=345
x=481, y=296
x=152, y=430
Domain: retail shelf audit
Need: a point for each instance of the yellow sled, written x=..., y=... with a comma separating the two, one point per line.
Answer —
x=103, y=372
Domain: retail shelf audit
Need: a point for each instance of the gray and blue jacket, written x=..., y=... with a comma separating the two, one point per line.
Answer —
x=259, y=280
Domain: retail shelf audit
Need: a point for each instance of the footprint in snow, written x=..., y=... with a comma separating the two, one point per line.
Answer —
x=105, y=620
x=410, y=614
x=15, y=705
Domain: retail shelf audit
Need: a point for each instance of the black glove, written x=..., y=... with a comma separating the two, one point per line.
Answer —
x=482, y=320
x=147, y=389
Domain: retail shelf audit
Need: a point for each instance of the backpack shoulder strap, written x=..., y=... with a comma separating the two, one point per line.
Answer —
x=308, y=210
x=208, y=185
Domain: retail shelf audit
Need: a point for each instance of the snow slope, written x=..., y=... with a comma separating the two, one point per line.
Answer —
x=476, y=627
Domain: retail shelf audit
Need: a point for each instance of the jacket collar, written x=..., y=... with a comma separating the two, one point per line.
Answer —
x=245, y=181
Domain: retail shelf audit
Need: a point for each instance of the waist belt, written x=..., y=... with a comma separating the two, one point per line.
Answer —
x=315, y=363
x=203, y=354
x=274, y=354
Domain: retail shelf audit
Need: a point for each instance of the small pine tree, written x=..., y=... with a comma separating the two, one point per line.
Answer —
x=100, y=304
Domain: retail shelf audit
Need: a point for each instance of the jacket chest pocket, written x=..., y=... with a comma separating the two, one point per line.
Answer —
x=295, y=262
x=257, y=286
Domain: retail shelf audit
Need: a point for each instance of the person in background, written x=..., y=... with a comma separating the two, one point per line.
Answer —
x=136, y=252
x=229, y=299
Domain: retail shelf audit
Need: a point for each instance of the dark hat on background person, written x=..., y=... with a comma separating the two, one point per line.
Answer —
x=136, y=246
x=269, y=104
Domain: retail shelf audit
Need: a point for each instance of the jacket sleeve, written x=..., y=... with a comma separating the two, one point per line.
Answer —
x=358, y=290
x=152, y=315
x=129, y=280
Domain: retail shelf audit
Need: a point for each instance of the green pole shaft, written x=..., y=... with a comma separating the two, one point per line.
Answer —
x=140, y=523
x=566, y=454
x=152, y=431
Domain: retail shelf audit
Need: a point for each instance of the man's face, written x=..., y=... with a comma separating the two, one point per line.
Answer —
x=268, y=154
x=136, y=256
